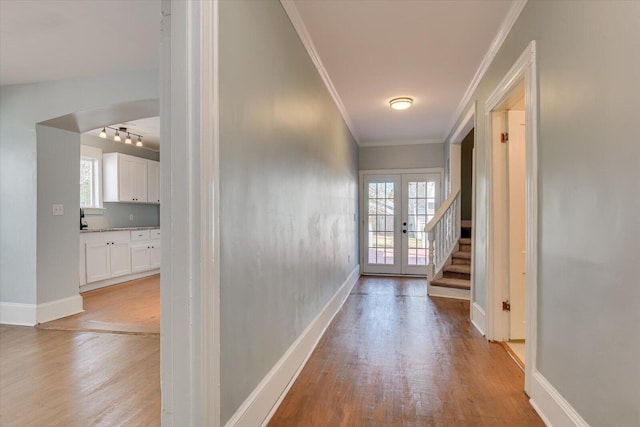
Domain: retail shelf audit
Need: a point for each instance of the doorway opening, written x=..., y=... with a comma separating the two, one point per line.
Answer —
x=511, y=150
x=509, y=143
x=398, y=205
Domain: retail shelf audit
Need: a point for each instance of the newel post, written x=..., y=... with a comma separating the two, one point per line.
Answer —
x=431, y=236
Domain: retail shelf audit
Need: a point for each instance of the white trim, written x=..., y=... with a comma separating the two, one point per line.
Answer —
x=210, y=215
x=524, y=69
x=59, y=308
x=12, y=313
x=262, y=403
x=32, y=314
x=442, y=292
x=467, y=123
x=478, y=317
x=363, y=172
x=400, y=142
x=117, y=280
x=550, y=405
x=298, y=24
x=503, y=32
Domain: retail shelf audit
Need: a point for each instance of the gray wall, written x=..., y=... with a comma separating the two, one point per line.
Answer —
x=401, y=157
x=117, y=214
x=288, y=194
x=57, y=238
x=589, y=204
x=21, y=107
x=466, y=178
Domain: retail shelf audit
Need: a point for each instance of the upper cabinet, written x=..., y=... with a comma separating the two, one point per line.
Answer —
x=130, y=179
x=153, y=181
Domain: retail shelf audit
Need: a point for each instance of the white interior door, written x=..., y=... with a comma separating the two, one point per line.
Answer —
x=517, y=223
x=398, y=206
x=420, y=199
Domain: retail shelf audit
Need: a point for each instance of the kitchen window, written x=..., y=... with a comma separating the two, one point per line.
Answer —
x=90, y=178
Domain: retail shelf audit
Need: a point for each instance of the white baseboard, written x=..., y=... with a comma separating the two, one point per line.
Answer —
x=554, y=410
x=12, y=313
x=438, y=291
x=32, y=314
x=59, y=308
x=478, y=317
x=262, y=403
x=117, y=280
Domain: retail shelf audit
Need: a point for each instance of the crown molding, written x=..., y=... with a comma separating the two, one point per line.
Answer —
x=503, y=32
x=400, y=142
x=298, y=24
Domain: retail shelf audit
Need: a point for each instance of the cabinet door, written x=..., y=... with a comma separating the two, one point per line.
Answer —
x=139, y=179
x=153, y=182
x=140, y=258
x=97, y=261
x=154, y=255
x=120, y=258
x=126, y=168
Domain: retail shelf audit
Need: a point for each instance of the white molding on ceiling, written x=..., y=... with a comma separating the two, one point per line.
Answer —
x=503, y=32
x=298, y=24
x=400, y=142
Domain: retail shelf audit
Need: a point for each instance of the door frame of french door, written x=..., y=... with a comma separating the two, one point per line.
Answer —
x=361, y=199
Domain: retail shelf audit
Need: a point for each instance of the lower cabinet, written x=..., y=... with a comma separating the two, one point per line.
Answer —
x=145, y=256
x=107, y=259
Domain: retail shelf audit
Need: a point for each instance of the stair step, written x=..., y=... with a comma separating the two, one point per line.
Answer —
x=464, y=248
x=452, y=283
x=465, y=241
x=465, y=223
x=458, y=268
x=462, y=255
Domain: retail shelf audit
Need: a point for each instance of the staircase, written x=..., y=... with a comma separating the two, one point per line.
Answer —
x=457, y=275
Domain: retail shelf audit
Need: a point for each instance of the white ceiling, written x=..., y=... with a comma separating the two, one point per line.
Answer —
x=375, y=50
x=42, y=40
x=371, y=50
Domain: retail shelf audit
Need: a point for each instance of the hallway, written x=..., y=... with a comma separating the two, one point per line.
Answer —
x=394, y=357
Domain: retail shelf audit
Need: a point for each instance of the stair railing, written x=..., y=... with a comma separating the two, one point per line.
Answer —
x=443, y=233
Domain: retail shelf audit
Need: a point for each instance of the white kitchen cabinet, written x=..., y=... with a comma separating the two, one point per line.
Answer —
x=107, y=259
x=154, y=255
x=124, y=178
x=153, y=181
x=140, y=258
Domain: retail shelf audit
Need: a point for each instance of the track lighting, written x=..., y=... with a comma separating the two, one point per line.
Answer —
x=118, y=138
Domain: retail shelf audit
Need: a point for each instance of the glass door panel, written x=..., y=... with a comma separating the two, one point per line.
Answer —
x=382, y=253
x=420, y=200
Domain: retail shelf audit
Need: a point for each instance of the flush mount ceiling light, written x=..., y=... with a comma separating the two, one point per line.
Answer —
x=401, y=103
x=118, y=138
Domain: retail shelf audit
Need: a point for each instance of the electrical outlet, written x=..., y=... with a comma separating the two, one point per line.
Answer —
x=130, y=217
x=58, y=209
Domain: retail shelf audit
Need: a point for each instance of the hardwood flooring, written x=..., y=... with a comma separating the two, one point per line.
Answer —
x=395, y=357
x=130, y=307
x=97, y=368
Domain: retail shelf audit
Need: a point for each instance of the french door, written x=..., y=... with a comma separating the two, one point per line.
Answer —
x=396, y=208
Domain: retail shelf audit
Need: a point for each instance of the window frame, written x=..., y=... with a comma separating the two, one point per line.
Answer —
x=95, y=155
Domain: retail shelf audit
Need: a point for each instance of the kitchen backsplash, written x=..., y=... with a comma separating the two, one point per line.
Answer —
x=119, y=214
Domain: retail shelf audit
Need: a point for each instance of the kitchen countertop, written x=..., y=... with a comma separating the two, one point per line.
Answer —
x=101, y=230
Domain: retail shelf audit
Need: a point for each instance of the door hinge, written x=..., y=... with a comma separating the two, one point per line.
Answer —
x=504, y=137
x=506, y=306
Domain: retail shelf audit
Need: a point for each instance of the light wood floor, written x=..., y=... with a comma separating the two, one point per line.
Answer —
x=129, y=307
x=394, y=357
x=97, y=368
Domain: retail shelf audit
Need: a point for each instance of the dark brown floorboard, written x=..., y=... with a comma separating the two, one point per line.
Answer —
x=395, y=357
